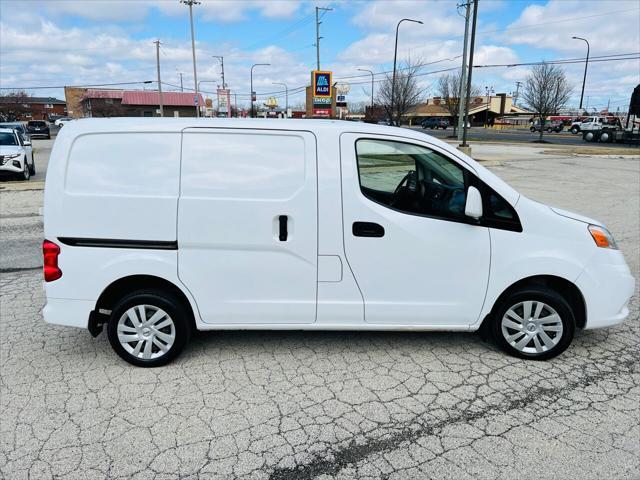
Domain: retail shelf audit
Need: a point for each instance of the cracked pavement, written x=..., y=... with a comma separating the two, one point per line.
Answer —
x=329, y=405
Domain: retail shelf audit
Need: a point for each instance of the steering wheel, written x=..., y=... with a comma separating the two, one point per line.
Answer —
x=410, y=179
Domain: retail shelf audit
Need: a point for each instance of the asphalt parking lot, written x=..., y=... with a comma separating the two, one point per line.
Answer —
x=334, y=405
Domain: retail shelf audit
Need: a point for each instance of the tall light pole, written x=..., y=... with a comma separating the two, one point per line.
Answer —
x=191, y=3
x=221, y=58
x=252, y=66
x=395, y=55
x=586, y=64
x=286, y=96
x=365, y=70
x=462, y=90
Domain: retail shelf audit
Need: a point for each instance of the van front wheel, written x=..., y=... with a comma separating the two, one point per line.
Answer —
x=148, y=328
x=535, y=323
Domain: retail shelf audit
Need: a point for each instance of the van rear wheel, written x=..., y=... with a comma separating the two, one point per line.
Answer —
x=148, y=328
x=535, y=323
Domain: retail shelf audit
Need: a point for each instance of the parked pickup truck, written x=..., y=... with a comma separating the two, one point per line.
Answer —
x=156, y=227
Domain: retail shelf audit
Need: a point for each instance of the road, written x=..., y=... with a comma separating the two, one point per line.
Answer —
x=328, y=405
x=480, y=134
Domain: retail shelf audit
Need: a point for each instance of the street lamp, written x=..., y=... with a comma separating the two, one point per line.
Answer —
x=252, y=66
x=191, y=3
x=586, y=64
x=365, y=70
x=395, y=55
x=286, y=96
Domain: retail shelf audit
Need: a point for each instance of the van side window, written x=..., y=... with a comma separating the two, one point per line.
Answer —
x=411, y=178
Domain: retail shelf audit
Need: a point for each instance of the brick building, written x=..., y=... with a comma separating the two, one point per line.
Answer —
x=31, y=108
x=89, y=102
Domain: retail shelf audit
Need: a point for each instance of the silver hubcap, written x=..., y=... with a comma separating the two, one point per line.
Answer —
x=532, y=327
x=146, y=331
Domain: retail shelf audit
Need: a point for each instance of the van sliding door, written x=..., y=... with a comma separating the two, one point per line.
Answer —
x=247, y=225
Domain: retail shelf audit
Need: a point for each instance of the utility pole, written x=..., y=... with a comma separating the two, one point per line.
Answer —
x=191, y=3
x=157, y=42
x=463, y=79
x=515, y=99
x=181, y=87
x=221, y=58
x=471, y=47
x=318, y=37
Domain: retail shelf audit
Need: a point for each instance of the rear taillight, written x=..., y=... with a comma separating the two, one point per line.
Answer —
x=50, y=252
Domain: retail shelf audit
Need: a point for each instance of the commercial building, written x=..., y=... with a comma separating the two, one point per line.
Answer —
x=483, y=110
x=24, y=107
x=89, y=102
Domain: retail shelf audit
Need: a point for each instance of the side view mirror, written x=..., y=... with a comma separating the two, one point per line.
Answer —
x=27, y=143
x=473, y=205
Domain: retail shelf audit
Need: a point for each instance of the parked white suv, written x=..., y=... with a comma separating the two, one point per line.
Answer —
x=16, y=154
x=156, y=227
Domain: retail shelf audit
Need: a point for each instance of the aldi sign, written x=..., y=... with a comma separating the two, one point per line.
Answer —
x=321, y=82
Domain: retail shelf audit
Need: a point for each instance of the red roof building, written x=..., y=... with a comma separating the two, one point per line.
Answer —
x=137, y=103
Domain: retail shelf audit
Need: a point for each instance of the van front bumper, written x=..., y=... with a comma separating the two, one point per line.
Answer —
x=64, y=311
x=607, y=287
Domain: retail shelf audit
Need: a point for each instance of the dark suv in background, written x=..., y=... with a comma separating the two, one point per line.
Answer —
x=435, y=123
x=38, y=128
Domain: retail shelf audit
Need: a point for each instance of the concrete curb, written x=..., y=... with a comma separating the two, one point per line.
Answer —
x=22, y=186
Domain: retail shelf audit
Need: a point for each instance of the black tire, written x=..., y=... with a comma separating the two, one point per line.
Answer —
x=536, y=294
x=532, y=129
x=26, y=171
x=575, y=130
x=168, y=302
x=32, y=167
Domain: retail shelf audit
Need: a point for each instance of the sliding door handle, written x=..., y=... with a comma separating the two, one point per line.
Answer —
x=284, y=233
x=367, y=229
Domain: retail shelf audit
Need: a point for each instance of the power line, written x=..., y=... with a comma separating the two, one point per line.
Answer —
x=77, y=86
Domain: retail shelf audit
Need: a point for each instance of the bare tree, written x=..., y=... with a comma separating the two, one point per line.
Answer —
x=449, y=91
x=546, y=90
x=407, y=92
x=13, y=105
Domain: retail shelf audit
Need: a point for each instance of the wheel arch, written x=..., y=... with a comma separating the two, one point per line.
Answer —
x=569, y=291
x=118, y=288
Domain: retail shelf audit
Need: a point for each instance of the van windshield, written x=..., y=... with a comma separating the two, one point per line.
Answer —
x=8, y=139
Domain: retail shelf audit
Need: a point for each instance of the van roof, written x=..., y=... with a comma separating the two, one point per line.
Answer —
x=171, y=124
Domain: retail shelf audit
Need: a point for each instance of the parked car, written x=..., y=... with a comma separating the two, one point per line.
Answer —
x=554, y=126
x=19, y=127
x=435, y=122
x=62, y=121
x=15, y=159
x=256, y=227
x=25, y=139
x=38, y=128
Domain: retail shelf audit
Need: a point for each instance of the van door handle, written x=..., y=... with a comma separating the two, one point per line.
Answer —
x=367, y=229
x=284, y=234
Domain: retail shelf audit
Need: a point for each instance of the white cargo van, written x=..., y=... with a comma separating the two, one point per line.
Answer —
x=156, y=227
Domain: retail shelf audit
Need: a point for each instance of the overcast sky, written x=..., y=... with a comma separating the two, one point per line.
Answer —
x=69, y=42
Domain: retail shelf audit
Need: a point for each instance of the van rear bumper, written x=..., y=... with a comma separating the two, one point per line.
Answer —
x=64, y=311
